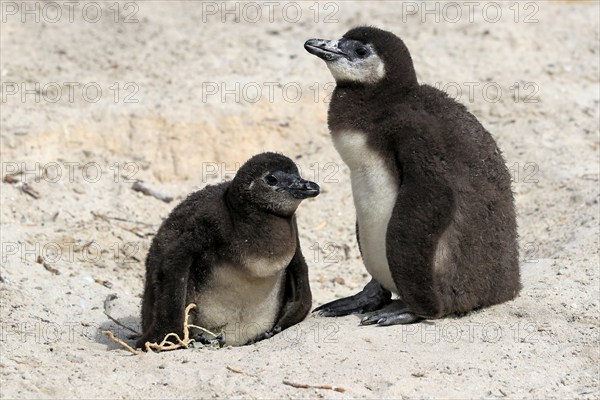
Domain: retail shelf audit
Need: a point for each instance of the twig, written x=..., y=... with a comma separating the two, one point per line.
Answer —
x=136, y=233
x=10, y=178
x=103, y=282
x=304, y=386
x=122, y=343
x=107, y=301
x=140, y=186
x=106, y=218
x=237, y=371
x=48, y=267
x=22, y=186
x=132, y=230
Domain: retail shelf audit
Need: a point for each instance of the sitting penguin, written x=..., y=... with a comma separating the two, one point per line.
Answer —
x=233, y=250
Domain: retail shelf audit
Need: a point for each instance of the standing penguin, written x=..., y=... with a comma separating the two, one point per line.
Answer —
x=435, y=212
x=233, y=249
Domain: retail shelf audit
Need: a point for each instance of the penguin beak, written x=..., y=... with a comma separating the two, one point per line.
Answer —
x=301, y=188
x=328, y=50
x=297, y=187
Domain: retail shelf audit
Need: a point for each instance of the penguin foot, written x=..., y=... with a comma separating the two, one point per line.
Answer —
x=266, y=335
x=371, y=298
x=220, y=339
x=394, y=313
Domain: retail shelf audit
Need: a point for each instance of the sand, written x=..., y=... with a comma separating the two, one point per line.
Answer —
x=98, y=95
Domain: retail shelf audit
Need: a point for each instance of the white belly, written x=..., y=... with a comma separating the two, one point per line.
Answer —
x=238, y=304
x=374, y=190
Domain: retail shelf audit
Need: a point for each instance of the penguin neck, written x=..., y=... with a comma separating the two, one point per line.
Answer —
x=354, y=105
x=245, y=213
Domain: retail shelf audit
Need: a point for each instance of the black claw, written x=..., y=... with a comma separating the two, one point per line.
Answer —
x=401, y=319
x=394, y=313
x=266, y=335
x=220, y=339
x=328, y=312
x=368, y=320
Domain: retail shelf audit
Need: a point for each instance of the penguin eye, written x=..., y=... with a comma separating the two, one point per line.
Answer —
x=361, y=51
x=271, y=180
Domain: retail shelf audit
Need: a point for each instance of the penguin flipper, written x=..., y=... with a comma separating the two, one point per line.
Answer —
x=422, y=213
x=393, y=314
x=297, y=298
x=371, y=298
x=169, y=281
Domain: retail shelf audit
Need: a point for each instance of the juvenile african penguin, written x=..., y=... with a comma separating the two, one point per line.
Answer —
x=435, y=211
x=232, y=249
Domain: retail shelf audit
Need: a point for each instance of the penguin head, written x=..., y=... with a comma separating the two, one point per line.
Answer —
x=366, y=55
x=271, y=182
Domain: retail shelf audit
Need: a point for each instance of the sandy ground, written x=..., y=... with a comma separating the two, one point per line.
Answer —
x=178, y=93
